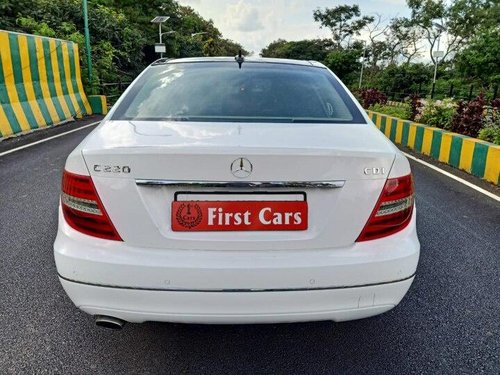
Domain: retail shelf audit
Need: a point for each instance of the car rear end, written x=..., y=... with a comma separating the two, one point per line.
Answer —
x=237, y=218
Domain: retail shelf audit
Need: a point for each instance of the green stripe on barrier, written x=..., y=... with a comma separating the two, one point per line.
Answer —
x=18, y=79
x=456, y=148
x=50, y=79
x=35, y=78
x=383, y=118
x=394, y=125
x=479, y=159
x=436, y=144
x=62, y=77
x=419, y=138
x=406, y=132
x=72, y=70
x=5, y=101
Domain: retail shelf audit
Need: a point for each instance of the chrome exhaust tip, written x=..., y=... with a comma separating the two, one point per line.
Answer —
x=109, y=322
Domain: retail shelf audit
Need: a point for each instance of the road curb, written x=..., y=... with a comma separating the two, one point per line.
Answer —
x=474, y=156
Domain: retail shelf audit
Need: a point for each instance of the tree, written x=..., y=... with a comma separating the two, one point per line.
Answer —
x=314, y=49
x=457, y=21
x=403, y=39
x=344, y=63
x=481, y=59
x=404, y=78
x=122, y=36
x=344, y=21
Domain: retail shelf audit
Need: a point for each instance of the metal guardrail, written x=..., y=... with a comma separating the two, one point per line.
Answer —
x=465, y=92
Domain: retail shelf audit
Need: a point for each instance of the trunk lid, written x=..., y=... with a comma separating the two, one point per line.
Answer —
x=118, y=154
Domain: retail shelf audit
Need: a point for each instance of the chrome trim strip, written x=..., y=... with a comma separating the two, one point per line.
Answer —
x=244, y=184
x=238, y=290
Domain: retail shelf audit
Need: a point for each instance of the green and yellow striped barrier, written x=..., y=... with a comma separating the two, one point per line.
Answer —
x=98, y=104
x=479, y=158
x=40, y=83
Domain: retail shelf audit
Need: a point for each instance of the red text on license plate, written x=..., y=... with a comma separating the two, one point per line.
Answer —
x=189, y=216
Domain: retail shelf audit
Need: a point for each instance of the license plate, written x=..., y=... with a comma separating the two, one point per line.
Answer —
x=205, y=216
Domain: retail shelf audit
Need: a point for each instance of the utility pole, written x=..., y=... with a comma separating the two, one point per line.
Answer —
x=362, y=64
x=87, y=39
x=161, y=42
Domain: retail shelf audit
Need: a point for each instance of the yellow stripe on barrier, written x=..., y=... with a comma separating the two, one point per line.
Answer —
x=28, y=82
x=44, y=86
x=79, y=79
x=388, y=127
x=467, y=153
x=10, y=83
x=444, y=152
x=427, y=141
x=104, y=105
x=378, y=120
x=4, y=123
x=57, y=78
x=492, y=169
x=411, y=135
x=399, y=131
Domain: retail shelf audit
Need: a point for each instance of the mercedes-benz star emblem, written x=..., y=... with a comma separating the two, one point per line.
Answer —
x=241, y=168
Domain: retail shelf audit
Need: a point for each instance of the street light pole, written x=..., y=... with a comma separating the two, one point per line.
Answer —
x=159, y=31
x=87, y=39
x=159, y=20
x=436, y=61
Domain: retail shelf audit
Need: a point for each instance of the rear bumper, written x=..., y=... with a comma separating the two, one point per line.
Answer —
x=235, y=286
x=139, y=305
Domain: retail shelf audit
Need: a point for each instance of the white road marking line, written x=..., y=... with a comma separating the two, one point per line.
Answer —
x=461, y=180
x=47, y=139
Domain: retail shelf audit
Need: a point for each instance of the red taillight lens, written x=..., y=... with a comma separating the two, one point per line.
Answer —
x=82, y=208
x=393, y=210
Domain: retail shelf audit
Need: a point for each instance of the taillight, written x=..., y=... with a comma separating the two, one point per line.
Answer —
x=82, y=208
x=393, y=210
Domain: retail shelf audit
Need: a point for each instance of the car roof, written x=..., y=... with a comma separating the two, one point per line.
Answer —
x=247, y=59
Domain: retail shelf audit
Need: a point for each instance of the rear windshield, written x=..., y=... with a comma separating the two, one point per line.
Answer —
x=220, y=91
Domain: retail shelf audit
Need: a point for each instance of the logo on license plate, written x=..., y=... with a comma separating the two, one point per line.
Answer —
x=189, y=215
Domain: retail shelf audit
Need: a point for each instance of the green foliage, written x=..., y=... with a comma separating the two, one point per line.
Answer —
x=399, y=112
x=481, y=59
x=344, y=63
x=404, y=78
x=122, y=36
x=490, y=134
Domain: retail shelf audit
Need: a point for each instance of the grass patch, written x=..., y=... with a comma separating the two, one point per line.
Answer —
x=399, y=112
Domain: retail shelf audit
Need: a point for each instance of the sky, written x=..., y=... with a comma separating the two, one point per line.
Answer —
x=256, y=23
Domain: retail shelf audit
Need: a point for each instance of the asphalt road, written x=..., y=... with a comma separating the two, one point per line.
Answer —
x=448, y=323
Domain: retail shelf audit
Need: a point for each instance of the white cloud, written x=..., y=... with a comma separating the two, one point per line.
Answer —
x=243, y=17
x=256, y=23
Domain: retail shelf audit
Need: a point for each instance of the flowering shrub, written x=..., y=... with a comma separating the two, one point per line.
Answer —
x=491, y=122
x=436, y=113
x=468, y=117
x=372, y=96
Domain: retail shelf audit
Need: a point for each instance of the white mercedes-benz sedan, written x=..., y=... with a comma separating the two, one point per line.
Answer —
x=247, y=191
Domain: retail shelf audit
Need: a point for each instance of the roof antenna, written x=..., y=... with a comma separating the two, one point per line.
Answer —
x=239, y=59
